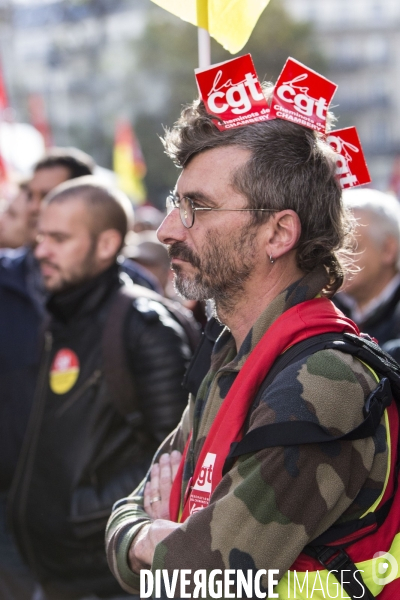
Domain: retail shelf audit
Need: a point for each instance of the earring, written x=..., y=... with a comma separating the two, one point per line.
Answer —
x=272, y=260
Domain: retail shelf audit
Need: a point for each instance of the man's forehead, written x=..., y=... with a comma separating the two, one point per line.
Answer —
x=48, y=178
x=212, y=168
x=67, y=213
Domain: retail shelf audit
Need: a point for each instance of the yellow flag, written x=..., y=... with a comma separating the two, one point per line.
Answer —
x=128, y=162
x=230, y=22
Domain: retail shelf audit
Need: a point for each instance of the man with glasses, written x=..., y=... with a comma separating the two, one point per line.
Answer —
x=256, y=224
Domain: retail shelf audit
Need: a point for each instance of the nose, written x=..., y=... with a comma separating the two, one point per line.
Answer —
x=42, y=248
x=171, y=229
x=34, y=204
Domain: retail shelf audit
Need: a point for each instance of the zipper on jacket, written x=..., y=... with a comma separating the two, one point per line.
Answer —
x=20, y=486
x=93, y=380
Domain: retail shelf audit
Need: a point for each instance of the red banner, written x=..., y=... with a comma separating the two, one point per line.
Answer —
x=232, y=93
x=352, y=168
x=302, y=96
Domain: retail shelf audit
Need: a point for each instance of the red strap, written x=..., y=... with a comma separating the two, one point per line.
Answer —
x=305, y=320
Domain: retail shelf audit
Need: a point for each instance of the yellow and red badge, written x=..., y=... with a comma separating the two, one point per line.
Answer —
x=64, y=371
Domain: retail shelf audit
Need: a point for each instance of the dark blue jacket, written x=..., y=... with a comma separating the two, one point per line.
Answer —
x=21, y=315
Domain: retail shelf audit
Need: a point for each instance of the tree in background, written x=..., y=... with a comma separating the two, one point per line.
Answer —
x=167, y=54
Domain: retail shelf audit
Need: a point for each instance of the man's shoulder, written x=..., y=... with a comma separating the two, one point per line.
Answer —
x=150, y=308
x=328, y=387
x=137, y=300
x=139, y=275
x=13, y=269
x=134, y=310
x=13, y=259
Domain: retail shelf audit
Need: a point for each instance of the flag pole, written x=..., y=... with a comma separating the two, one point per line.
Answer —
x=204, y=48
x=203, y=36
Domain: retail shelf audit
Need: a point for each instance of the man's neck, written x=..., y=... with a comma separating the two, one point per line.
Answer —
x=257, y=296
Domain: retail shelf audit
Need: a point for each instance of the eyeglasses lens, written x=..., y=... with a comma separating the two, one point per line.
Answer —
x=186, y=212
x=170, y=204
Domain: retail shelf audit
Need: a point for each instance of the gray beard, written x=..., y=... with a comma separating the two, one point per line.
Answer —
x=223, y=299
x=221, y=274
x=191, y=289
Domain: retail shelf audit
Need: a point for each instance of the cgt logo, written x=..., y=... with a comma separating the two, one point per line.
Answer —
x=204, y=478
x=351, y=168
x=300, y=98
x=231, y=91
x=201, y=492
x=236, y=96
x=384, y=568
x=344, y=158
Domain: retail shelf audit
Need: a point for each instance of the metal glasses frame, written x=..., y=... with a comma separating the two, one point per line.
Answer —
x=174, y=202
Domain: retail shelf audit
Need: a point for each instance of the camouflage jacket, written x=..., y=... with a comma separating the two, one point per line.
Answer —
x=271, y=503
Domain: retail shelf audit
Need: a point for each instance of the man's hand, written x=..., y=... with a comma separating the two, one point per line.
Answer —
x=142, y=549
x=158, y=490
x=156, y=503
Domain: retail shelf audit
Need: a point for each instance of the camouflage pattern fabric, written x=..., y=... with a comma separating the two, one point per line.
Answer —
x=273, y=502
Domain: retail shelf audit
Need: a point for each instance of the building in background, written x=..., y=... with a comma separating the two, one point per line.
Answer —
x=78, y=57
x=84, y=58
x=361, y=43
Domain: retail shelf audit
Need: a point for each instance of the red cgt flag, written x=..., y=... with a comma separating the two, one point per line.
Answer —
x=351, y=167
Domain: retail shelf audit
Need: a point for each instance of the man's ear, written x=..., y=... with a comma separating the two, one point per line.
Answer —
x=284, y=233
x=390, y=251
x=108, y=244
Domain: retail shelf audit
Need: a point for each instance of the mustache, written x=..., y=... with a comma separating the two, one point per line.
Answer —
x=44, y=261
x=183, y=252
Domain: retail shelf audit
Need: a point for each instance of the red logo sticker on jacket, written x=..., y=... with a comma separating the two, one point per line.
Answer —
x=64, y=371
x=201, y=492
x=232, y=93
x=351, y=168
x=302, y=96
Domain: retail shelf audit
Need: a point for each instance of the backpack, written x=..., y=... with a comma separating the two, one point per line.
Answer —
x=116, y=370
x=329, y=547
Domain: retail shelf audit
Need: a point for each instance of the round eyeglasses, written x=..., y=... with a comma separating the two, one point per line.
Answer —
x=187, y=210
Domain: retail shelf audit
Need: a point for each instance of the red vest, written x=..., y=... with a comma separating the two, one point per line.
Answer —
x=305, y=320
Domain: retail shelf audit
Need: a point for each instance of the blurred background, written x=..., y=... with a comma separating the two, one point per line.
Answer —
x=98, y=73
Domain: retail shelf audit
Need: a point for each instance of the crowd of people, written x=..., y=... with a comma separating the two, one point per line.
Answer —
x=98, y=358
x=92, y=360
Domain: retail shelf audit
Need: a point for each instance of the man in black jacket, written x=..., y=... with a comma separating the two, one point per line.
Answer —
x=22, y=301
x=90, y=439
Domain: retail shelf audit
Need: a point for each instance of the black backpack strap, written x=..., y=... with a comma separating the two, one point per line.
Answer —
x=116, y=371
x=201, y=361
x=292, y=433
x=368, y=524
x=336, y=561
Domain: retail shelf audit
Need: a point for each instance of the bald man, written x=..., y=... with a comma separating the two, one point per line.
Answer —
x=91, y=440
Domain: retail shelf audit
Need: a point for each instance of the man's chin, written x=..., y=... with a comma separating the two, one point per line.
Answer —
x=54, y=286
x=189, y=289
